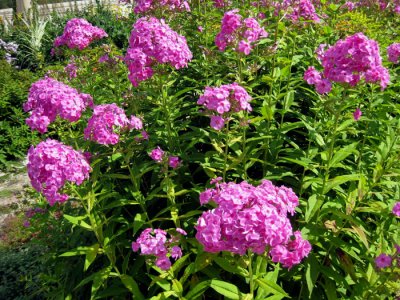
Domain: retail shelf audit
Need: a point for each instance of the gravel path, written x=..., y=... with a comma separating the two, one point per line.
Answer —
x=12, y=195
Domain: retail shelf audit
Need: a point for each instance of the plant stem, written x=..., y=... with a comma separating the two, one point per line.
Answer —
x=226, y=150
x=251, y=279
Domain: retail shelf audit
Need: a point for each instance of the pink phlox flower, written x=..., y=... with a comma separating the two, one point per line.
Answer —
x=49, y=98
x=357, y=114
x=393, y=52
x=248, y=217
x=323, y=86
x=155, y=243
x=181, y=231
x=176, y=252
x=222, y=3
x=312, y=76
x=79, y=33
x=217, y=122
x=383, y=261
x=135, y=123
x=149, y=6
x=396, y=209
x=174, y=161
x=292, y=253
x=297, y=10
x=71, y=69
x=51, y=164
x=157, y=154
x=354, y=58
x=226, y=99
x=238, y=33
x=153, y=41
x=106, y=123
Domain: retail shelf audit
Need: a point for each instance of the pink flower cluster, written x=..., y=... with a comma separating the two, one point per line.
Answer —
x=153, y=41
x=393, y=52
x=79, y=33
x=349, y=61
x=224, y=100
x=396, y=209
x=51, y=164
x=155, y=242
x=222, y=3
x=300, y=10
x=106, y=123
x=254, y=218
x=49, y=98
x=238, y=33
x=385, y=260
x=296, y=10
x=158, y=155
x=143, y=6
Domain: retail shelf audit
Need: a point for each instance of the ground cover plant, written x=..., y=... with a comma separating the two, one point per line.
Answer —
x=226, y=149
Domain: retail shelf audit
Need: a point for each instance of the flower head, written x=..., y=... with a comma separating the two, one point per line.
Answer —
x=240, y=34
x=383, y=261
x=396, y=209
x=155, y=243
x=153, y=41
x=174, y=162
x=79, y=33
x=106, y=123
x=393, y=52
x=157, y=154
x=249, y=217
x=49, y=98
x=357, y=114
x=51, y=164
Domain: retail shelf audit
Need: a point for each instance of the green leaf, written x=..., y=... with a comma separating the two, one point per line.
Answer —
x=132, y=286
x=342, y=154
x=338, y=180
x=179, y=263
x=78, y=221
x=164, y=296
x=138, y=222
x=271, y=287
x=231, y=267
x=82, y=250
x=312, y=272
x=120, y=202
x=226, y=289
x=177, y=286
x=313, y=205
x=91, y=256
x=198, y=290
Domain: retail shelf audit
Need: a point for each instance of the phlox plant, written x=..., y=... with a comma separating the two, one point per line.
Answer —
x=193, y=169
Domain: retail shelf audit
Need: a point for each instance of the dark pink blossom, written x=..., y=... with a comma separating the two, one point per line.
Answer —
x=396, y=209
x=393, y=52
x=79, y=33
x=240, y=34
x=152, y=41
x=174, y=162
x=49, y=98
x=383, y=261
x=157, y=154
x=155, y=243
x=357, y=114
x=51, y=164
x=248, y=217
x=107, y=121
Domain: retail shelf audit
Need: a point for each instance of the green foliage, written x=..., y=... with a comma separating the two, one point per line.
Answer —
x=19, y=273
x=15, y=135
